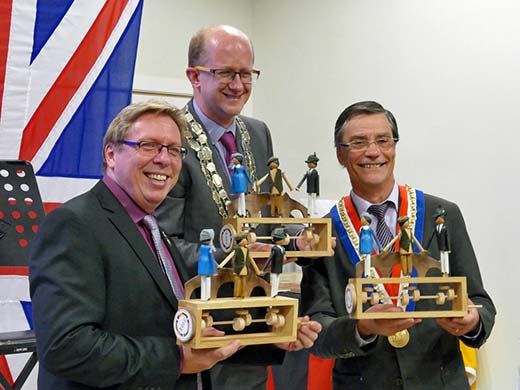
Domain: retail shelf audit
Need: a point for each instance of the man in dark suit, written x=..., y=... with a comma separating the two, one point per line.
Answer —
x=221, y=72
x=365, y=137
x=104, y=287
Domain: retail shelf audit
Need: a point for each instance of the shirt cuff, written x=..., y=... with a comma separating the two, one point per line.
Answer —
x=474, y=334
x=361, y=341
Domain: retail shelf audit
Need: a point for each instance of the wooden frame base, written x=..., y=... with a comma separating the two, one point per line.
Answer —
x=451, y=289
x=320, y=227
x=281, y=317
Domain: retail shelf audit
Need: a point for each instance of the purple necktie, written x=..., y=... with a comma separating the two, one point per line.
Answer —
x=228, y=140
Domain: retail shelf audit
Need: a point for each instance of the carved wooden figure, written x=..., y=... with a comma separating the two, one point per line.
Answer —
x=276, y=178
x=313, y=183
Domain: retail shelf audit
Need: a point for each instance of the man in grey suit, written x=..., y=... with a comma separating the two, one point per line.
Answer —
x=221, y=72
x=366, y=357
x=105, y=285
x=220, y=69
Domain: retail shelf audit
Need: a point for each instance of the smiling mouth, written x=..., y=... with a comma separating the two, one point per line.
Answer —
x=372, y=166
x=234, y=97
x=155, y=176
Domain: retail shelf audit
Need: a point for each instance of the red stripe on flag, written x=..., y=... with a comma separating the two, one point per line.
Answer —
x=5, y=371
x=70, y=79
x=19, y=271
x=49, y=206
x=320, y=373
x=5, y=28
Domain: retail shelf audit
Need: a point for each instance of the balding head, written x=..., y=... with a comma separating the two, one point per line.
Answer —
x=213, y=36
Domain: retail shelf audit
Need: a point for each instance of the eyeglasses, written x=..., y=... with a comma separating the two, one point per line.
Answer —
x=152, y=149
x=226, y=76
x=382, y=143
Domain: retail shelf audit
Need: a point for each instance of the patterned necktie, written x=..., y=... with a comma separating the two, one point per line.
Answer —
x=228, y=140
x=383, y=232
x=151, y=223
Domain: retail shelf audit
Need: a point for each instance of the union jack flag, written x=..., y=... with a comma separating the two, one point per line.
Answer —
x=66, y=69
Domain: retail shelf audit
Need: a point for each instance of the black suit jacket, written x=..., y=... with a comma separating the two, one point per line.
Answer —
x=432, y=359
x=103, y=308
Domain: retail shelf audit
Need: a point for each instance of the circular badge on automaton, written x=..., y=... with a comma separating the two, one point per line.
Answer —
x=227, y=237
x=350, y=298
x=183, y=325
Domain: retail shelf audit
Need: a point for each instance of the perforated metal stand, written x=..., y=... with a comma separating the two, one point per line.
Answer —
x=21, y=211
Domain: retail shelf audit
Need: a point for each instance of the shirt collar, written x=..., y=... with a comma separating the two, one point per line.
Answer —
x=213, y=129
x=362, y=205
x=135, y=212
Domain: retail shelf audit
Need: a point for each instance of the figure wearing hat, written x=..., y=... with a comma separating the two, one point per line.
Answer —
x=239, y=180
x=443, y=239
x=406, y=239
x=207, y=265
x=368, y=242
x=277, y=177
x=313, y=183
x=241, y=262
x=276, y=258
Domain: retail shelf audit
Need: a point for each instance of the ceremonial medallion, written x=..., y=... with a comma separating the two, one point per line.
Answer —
x=399, y=339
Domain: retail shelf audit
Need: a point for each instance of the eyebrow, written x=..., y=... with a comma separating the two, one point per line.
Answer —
x=360, y=136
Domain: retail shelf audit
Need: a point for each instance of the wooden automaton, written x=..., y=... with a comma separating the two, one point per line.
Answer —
x=432, y=295
x=254, y=318
x=276, y=315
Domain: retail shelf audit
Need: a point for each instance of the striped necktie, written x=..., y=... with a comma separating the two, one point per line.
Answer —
x=383, y=232
x=151, y=223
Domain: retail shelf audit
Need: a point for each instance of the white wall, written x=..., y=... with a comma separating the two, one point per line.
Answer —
x=448, y=70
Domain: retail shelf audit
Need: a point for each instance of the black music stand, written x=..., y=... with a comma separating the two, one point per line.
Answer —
x=21, y=211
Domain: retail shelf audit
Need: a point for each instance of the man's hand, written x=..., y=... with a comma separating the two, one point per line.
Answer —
x=307, y=335
x=197, y=360
x=459, y=326
x=384, y=327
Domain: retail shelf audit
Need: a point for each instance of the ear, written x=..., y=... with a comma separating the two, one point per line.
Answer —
x=109, y=153
x=193, y=75
x=340, y=155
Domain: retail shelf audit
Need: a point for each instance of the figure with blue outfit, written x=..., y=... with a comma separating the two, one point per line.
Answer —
x=368, y=242
x=207, y=263
x=239, y=180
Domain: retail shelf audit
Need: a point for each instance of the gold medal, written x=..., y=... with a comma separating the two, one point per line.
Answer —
x=399, y=339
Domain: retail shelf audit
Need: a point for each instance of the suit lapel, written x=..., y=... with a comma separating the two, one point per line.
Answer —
x=129, y=232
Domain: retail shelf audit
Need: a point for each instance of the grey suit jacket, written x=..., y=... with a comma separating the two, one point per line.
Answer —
x=189, y=208
x=432, y=359
x=103, y=309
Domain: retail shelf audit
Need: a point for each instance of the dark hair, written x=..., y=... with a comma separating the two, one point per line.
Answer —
x=366, y=107
x=238, y=156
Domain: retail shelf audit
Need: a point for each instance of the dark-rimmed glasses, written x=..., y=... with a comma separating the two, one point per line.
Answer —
x=228, y=75
x=152, y=149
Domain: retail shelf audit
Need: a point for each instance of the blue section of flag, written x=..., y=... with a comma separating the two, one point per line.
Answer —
x=49, y=13
x=27, y=309
x=77, y=152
